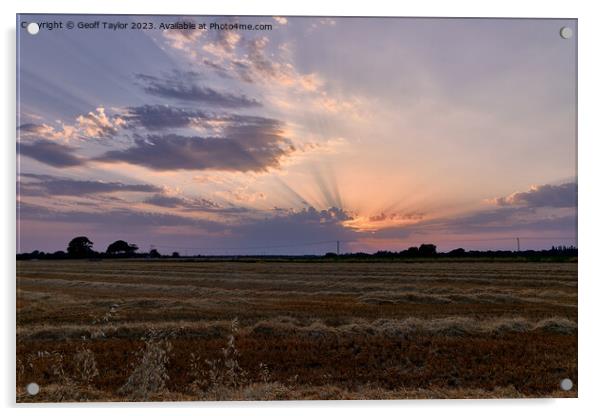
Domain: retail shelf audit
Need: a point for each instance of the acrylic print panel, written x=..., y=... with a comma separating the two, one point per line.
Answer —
x=275, y=208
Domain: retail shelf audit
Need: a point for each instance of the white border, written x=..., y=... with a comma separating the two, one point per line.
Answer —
x=590, y=289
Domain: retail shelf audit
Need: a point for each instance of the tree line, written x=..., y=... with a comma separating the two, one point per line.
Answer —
x=82, y=248
x=426, y=251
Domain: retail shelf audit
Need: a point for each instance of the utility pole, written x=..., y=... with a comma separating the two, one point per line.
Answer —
x=338, y=246
x=518, y=244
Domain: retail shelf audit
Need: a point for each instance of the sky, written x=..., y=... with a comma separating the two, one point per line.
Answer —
x=380, y=133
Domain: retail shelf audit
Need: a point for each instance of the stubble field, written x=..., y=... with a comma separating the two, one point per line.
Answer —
x=122, y=330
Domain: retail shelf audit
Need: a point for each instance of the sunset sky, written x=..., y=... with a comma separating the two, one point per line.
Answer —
x=381, y=133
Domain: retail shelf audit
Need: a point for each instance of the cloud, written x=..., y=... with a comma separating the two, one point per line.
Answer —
x=220, y=43
x=260, y=65
x=247, y=144
x=224, y=142
x=51, y=185
x=412, y=216
x=224, y=42
x=192, y=204
x=121, y=219
x=181, y=38
x=158, y=117
x=182, y=86
x=51, y=153
x=330, y=215
x=242, y=194
x=281, y=20
x=33, y=130
x=167, y=201
x=231, y=55
x=557, y=196
x=161, y=117
x=96, y=124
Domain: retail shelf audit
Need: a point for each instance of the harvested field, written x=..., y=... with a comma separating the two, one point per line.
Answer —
x=117, y=330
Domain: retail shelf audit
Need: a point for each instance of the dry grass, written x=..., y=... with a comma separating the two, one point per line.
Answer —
x=166, y=330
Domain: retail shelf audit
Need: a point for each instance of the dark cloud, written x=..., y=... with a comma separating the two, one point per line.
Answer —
x=159, y=117
x=557, y=196
x=192, y=204
x=183, y=87
x=165, y=201
x=396, y=216
x=121, y=219
x=309, y=215
x=50, y=153
x=32, y=128
x=51, y=185
x=247, y=144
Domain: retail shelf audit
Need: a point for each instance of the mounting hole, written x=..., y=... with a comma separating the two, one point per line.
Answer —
x=33, y=28
x=566, y=384
x=566, y=32
x=32, y=389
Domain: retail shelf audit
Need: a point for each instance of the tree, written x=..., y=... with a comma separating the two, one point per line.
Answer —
x=427, y=250
x=175, y=255
x=121, y=247
x=154, y=253
x=412, y=251
x=80, y=247
x=457, y=252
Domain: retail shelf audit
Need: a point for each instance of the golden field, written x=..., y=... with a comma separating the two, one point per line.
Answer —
x=162, y=329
